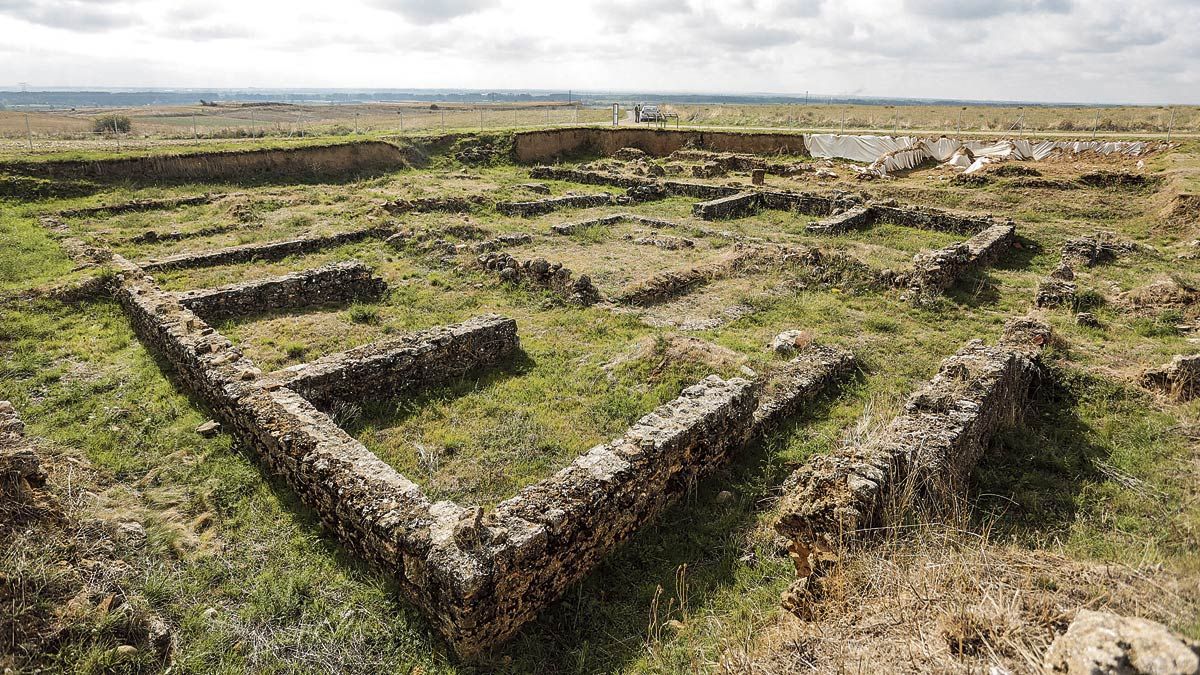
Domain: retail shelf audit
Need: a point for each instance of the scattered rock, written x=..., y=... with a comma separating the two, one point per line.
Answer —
x=724, y=497
x=538, y=188
x=789, y=341
x=209, y=429
x=1087, y=319
x=1099, y=643
x=1180, y=378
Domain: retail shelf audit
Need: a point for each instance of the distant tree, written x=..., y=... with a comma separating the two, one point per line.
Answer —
x=112, y=124
x=433, y=106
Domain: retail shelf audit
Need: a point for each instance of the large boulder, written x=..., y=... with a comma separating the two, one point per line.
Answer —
x=1099, y=643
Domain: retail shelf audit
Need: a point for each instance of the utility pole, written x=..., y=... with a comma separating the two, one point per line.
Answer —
x=1170, y=125
x=194, y=133
x=401, y=113
x=1095, y=125
x=29, y=132
x=355, y=124
x=442, y=113
x=843, y=120
x=481, y=118
x=960, y=114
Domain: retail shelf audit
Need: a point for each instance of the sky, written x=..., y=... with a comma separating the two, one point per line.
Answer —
x=1089, y=51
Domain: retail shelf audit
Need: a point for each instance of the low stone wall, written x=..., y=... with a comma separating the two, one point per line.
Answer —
x=542, y=274
x=433, y=204
x=857, y=218
x=334, y=283
x=389, y=368
x=747, y=203
x=542, y=206
x=930, y=219
x=919, y=462
x=274, y=250
x=725, y=208
x=572, y=228
x=137, y=205
x=935, y=271
x=806, y=203
x=680, y=188
x=1179, y=379
x=666, y=243
x=589, y=177
x=153, y=236
x=798, y=382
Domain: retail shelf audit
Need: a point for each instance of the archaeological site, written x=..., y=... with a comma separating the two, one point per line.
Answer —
x=589, y=399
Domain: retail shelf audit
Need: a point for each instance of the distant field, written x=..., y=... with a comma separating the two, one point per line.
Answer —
x=60, y=130
x=989, y=119
x=71, y=129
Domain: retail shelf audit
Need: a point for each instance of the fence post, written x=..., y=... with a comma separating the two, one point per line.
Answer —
x=29, y=132
x=442, y=113
x=1170, y=125
x=481, y=118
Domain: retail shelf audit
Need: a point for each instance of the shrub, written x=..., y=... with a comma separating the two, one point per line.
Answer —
x=112, y=124
x=364, y=314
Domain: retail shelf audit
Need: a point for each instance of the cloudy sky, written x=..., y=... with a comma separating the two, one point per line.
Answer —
x=1143, y=51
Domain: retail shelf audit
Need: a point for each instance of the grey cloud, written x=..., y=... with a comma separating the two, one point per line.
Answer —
x=204, y=32
x=77, y=15
x=424, y=12
x=798, y=8
x=967, y=9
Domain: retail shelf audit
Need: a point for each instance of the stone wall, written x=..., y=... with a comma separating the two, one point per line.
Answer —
x=681, y=188
x=588, y=177
x=542, y=206
x=136, y=205
x=725, y=208
x=433, y=204
x=920, y=461
x=274, y=250
x=334, y=283
x=930, y=219
x=935, y=271
x=857, y=218
x=541, y=274
x=572, y=228
x=386, y=369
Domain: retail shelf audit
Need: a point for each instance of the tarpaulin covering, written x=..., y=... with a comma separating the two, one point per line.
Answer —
x=899, y=153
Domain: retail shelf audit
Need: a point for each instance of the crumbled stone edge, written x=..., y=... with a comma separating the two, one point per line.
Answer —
x=920, y=461
x=539, y=273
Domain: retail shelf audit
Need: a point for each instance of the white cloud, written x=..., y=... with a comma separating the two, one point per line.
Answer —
x=1061, y=50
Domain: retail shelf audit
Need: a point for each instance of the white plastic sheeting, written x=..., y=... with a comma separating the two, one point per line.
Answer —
x=899, y=153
